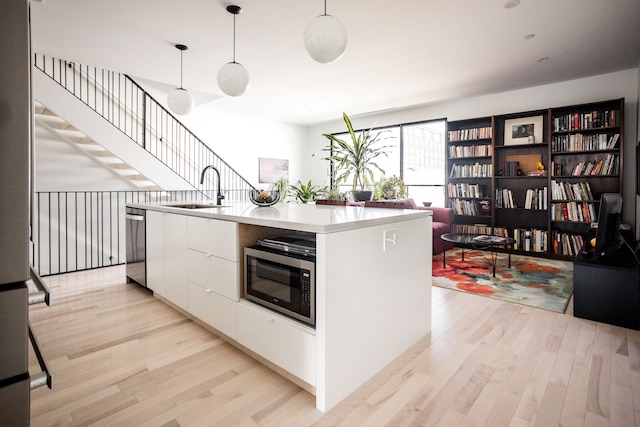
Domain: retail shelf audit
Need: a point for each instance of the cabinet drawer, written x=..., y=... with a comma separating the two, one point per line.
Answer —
x=212, y=236
x=212, y=272
x=281, y=341
x=213, y=309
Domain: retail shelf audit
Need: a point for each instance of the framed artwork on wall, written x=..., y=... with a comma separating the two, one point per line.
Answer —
x=271, y=170
x=527, y=130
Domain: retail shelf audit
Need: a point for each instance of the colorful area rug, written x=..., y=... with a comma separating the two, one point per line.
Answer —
x=536, y=282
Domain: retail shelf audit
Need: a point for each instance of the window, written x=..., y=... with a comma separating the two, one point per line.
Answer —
x=416, y=153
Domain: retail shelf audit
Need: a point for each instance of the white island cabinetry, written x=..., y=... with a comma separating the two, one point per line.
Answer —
x=365, y=316
x=167, y=256
x=213, y=272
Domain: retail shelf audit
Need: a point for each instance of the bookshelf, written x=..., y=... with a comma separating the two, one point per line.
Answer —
x=586, y=161
x=470, y=172
x=548, y=212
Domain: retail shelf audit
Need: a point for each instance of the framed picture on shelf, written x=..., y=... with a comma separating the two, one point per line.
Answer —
x=526, y=130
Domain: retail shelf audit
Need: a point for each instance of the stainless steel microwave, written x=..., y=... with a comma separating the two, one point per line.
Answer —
x=282, y=282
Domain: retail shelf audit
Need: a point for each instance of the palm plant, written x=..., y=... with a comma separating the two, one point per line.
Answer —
x=356, y=157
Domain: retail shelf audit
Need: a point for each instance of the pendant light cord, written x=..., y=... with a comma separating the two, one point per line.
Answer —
x=181, y=52
x=234, y=37
x=325, y=7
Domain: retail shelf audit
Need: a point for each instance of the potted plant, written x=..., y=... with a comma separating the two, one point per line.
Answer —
x=355, y=159
x=390, y=188
x=282, y=186
x=305, y=193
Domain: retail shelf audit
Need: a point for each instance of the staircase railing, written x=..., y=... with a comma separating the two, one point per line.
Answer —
x=127, y=106
x=83, y=230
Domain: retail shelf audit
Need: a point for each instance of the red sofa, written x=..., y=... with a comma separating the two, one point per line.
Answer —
x=442, y=220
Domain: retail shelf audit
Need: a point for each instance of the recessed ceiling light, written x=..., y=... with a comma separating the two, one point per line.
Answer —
x=529, y=36
x=511, y=4
x=543, y=59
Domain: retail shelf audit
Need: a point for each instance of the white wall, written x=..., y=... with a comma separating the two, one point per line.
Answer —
x=621, y=84
x=241, y=140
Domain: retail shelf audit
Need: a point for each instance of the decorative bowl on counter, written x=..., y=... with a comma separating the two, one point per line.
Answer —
x=263, y=197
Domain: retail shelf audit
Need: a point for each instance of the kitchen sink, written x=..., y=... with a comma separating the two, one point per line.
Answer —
x=196, y=206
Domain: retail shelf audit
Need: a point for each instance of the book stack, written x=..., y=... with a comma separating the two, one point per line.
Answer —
x=476, y=170
x=511, y=168
x=573, y=211
x=462, y=189
x=581, y=142
x=587, y=120
x=460, y=151
x=606, y=166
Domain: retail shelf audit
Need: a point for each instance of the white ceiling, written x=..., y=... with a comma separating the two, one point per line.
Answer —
x=399, y=53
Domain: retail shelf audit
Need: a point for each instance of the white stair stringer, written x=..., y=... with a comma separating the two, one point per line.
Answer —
x=72, y=113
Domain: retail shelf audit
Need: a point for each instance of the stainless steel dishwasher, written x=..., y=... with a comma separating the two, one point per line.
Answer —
x=136, y=246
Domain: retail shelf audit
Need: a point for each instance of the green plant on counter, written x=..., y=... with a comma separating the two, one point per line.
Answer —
x=356, y=157
x=390, y=188
x=305, y=193
x=281, y=186
x=335, y=194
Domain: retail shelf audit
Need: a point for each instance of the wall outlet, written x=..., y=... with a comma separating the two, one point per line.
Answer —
x=389, y=239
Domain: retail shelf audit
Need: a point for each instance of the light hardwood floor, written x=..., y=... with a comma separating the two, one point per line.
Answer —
x=122, y=357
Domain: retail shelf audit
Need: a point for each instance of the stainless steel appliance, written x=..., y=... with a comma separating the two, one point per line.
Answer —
x=15, y=192
x=282, y=282
x=136, y=246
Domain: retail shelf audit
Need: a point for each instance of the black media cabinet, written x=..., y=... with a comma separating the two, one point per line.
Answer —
x=608, y=289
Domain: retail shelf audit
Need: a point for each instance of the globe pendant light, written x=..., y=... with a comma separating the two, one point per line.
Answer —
x=325, y=38
x=233, y=78
x=180, y=101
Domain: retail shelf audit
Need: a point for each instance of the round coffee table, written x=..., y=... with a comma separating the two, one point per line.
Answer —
x=477, y=242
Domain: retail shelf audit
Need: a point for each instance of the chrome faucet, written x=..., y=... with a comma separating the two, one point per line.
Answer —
x=219, y=196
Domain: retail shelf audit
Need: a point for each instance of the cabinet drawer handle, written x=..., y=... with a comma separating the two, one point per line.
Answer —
x=208, y=291
x=270, y=319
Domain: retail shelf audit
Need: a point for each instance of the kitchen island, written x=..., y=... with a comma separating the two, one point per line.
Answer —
x=373, y=285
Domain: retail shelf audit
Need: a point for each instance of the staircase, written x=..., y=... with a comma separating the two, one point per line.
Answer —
x=113, y=111
x=113, y=121
x=69, y=134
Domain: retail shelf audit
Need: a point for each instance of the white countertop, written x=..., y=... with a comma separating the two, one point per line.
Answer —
x=292, y=216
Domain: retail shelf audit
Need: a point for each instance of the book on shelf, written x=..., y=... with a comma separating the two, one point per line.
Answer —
x=537, y=173
x=566, y=243
x=463, y=189
x=504, y=198
x=476, y=170
x=587, y=120
x=479, y=229
x=536, y=199
x=470, y=134
x=570, y=191
x=530, y=239
x=573, y=211
x=461, y=151
x=582, y=142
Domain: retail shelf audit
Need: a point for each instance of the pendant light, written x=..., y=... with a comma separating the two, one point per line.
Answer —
x=180, y=101
x=233, y=78
x=325, y=38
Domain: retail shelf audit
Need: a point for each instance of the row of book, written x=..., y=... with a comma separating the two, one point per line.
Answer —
x=467, y=207
x=570, y=191
x=458, y=151
x=566, y=244
x=469, y=134
x=588, y=120
x=479, y=229
x=476, y=170
x=530, y=239
x=581, y=142
x=505, y=199
x=462, y=189
x=511, y=169
x=573, y=211
x=536, y=198
x=607, y=166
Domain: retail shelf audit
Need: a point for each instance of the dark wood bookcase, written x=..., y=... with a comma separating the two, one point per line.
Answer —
x=548, y=212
